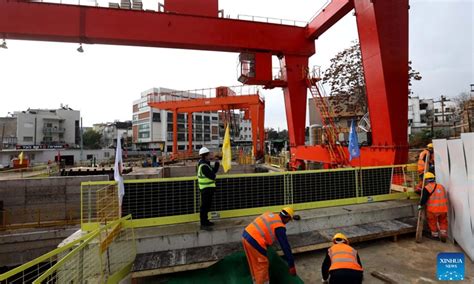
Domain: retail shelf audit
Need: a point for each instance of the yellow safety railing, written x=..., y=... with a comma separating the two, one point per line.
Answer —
x=102, y=255
x=154, y=202
x=276, y=161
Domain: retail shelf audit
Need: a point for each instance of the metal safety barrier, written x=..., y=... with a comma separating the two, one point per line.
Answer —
x=154, y=202
x=276, y=161
x=104, y=255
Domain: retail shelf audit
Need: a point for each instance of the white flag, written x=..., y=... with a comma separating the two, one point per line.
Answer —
x=118, y=171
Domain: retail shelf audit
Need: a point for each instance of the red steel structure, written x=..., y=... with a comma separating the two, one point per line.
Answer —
x=383, y=36
x=254, y=105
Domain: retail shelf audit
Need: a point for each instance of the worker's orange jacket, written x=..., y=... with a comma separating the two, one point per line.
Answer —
x=421, y=160
x=343, y=257
x=438, y=201
x=262, y=229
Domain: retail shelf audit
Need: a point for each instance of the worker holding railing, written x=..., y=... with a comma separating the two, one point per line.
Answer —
x=342, y=263
x=260, y=234
x=206, y=175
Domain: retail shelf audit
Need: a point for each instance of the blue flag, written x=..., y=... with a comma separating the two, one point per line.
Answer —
x=354, y=151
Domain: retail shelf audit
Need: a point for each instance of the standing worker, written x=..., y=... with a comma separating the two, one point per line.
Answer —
x=422, y=159
x=436, y=201
x=260, y=234
x=206, y=175
x=342, y=263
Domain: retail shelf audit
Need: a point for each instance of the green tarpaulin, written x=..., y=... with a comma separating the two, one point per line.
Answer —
x=233, y=269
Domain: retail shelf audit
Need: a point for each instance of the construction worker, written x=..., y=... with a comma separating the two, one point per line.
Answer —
x=206, y=175
x=342, y=263
x=436, y=200
x=421, y=165
x=260, y=234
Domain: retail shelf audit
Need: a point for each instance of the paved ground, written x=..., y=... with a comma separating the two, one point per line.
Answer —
x=403, y=261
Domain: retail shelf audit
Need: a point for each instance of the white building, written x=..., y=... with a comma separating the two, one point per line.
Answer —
x=445, y=112
x=419, y=113
x=245, y=129
x=48, y=128
x=110, y=130
x=153, y=128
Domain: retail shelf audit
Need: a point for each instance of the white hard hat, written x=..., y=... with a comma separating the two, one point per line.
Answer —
x=203, y=150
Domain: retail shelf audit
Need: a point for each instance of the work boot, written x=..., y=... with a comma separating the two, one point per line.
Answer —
x=206, y=228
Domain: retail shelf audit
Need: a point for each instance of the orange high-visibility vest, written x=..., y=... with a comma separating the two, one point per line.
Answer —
x=262, y=229
x=343, y=257
x=421, y=161
x=438, y=202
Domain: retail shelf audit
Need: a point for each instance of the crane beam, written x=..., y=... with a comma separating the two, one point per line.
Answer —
x=328, y=16
x=96, y=25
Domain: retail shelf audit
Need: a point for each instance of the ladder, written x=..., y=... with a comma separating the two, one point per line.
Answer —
x=331, y=130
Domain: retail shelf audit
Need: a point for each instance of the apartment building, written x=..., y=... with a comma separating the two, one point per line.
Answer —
x=153, y=128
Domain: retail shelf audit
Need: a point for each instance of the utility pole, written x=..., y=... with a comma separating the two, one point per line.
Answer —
x=82, y=152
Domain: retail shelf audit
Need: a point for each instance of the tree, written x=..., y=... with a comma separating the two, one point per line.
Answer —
x=345, y=76
x=91, y=139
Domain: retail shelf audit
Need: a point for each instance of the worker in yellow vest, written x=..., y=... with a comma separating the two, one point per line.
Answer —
x=435, y=199
x=206, y=175
x=342, y=263
x=260, y=234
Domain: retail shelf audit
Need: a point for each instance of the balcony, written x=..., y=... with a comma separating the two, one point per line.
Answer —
x=53, y=130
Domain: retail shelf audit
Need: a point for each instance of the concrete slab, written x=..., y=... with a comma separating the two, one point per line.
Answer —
x=313, y=231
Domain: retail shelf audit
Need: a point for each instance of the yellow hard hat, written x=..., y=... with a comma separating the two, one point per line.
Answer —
x=430, y=146
x=429, y=175
x=340, y=236
x=288, y=211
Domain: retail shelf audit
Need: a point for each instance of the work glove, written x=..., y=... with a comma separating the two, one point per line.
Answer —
x=292, y=271
x=420, y=207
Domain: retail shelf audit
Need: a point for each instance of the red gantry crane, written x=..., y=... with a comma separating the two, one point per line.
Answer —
x=196, y=24
x=225, y=100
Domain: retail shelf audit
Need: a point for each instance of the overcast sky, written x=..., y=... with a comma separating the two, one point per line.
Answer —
x=103, y=81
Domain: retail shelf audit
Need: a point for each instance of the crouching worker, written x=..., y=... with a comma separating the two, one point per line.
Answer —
x=342, y=263
x=260, y=234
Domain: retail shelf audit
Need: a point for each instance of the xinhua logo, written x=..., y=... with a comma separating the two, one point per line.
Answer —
x=450, y=266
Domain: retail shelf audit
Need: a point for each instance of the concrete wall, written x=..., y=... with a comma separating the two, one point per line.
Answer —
x=47, y=199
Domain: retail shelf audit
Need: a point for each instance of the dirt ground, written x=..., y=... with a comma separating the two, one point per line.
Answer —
x=404, y=261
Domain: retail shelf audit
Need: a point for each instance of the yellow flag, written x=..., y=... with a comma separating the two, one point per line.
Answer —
x=226, y=151
x=20, y=157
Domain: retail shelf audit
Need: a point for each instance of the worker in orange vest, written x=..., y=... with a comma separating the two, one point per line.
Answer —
x=260, y=234
x=421, y=165
x=436, y=200
x=342, y=263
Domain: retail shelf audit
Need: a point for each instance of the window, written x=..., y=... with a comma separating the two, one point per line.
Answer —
x=156, y=117
x=143, y=127
x=106, y=154
x=447, y=109
x=215, y=138
x=144, y=134
x=436, y=119
x=198, y=117
x=214, y=118
x=436, y=110
x=448, y=118
x=181, y=147
x=207, y=137
x=199, y=137
x=27, y=138
x=135, y=117
x=169, y=116
x=181, y=137
x=169, y=148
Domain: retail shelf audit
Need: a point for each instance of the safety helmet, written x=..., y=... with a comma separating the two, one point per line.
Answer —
x=203, y=151
x=340, y=236
x=288, y=212
x=430, y=146
x=429, y=175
